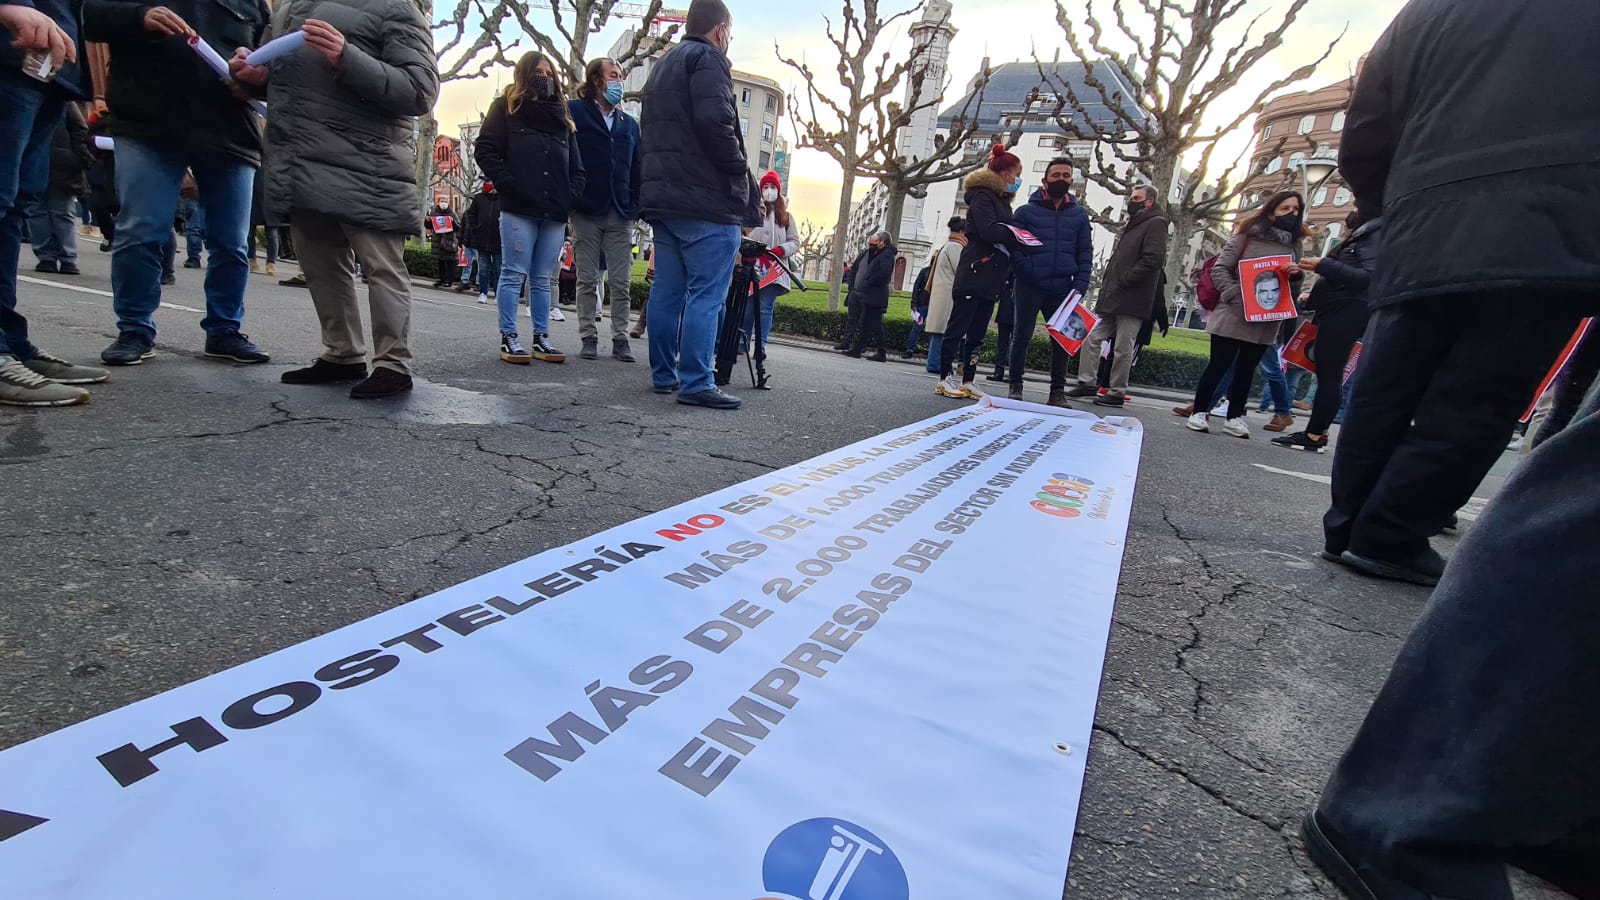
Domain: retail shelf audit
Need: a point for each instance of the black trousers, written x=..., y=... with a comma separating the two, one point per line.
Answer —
x=969, y=321
x=1240, y=356
x=1337, y=333
x=852, y=327
x=1441, y=384
x=870, y=331
x=1004, y=334
x=1031, y=304
x=1481, y=748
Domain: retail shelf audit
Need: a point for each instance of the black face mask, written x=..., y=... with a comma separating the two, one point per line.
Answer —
x=542, y=88
x=1057, y=189
x=1289, y=224
x=1135, y=207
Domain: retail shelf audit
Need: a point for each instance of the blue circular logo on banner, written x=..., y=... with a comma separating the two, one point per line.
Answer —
x=830, y=859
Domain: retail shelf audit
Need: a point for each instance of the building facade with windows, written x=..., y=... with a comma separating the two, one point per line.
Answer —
x=1290, y=130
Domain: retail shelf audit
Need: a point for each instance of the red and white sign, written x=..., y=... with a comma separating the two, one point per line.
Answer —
x=1071, y=324
x=1025, y=237
x=1264, y=281
x=1561, y=363
x=1350, y=367
x=1302, y=348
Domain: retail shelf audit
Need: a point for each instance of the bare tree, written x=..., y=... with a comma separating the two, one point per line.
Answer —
x=480, y=35
x=861, y=131
x=814, y=243
x=1158, y=109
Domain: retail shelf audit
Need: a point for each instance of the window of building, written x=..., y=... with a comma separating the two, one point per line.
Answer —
x=1320, y=197
x=744, y=97
x=1324, y=151
x=1275, y=165
x=1041, y=165
x=1342, y=197
x=1334, y=230
x=1296, y=158
x=766, y=160
x=772, y=103
x=1308, y=124
x=1268, y=132
x=744, y=125
x=1047, y=140
x=766, y=133
x=1338, y=121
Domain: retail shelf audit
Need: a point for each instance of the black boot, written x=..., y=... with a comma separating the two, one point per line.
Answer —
x=999, y=373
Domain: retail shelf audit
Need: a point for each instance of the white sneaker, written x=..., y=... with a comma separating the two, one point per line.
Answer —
x=557, y=315
x=971, y=391
x=483, y=298
x=1239, y=428
x=1199, y=422
x=950, y=386
x=1221, y=409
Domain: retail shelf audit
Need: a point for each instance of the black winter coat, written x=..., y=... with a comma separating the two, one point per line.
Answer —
x=874, y=272
x=1135, y=267
x=1470, y=204
x=158, y=88
x=693, y=164
x=481, y=229
x=922, y=290
x=71, y=154
x=532, y=157
x=1344, y=278
x=985, y=268
x=610, y=160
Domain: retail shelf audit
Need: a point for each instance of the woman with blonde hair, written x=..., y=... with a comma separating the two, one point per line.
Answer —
x=529, y=148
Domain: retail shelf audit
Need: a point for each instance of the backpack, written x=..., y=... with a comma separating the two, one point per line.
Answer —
x=1205, y=290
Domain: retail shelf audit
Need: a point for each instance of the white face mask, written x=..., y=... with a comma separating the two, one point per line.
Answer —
x=769, y=194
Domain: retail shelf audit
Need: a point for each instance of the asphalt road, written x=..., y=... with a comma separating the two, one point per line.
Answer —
x=198, y=515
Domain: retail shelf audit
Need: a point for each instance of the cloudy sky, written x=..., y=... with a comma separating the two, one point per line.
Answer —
x=1003, y=31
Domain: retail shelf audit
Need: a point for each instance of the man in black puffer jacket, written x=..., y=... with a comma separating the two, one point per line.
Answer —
x=696, y=191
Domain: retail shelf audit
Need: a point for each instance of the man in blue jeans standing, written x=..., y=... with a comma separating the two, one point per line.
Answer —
x=696, y=191
x=43, y=37
x=172, y=113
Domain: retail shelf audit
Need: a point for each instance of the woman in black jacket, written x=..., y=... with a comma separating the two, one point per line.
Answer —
x=529, y=148
x=1338, y=305
x=984, y=273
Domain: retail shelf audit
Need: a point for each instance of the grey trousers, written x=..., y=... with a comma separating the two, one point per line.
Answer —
x=328, y=250
x=1481, y=749
x=1122, y=332
x=611, y=235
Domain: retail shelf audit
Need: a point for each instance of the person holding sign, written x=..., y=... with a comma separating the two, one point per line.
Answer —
x=1256, y=268
x=173, y=112
x=777, y=231
x=1127, y=298
x=1046, y=278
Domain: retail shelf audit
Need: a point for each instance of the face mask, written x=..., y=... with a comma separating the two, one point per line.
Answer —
x=1135, y=207
x=1058, y=189
x=769, y=194
x=542, y=87
x=1016, y=185
x=614, y=93
x=1291, y=224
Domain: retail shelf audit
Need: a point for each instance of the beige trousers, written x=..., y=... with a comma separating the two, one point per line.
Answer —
x=1122, y=332
x=328, y=250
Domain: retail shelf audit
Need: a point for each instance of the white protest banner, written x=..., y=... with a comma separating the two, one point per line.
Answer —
x=869, y=676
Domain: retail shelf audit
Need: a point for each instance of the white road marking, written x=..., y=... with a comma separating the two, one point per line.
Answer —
x=1468, y=513
x=78, y=288
x=1304, y=476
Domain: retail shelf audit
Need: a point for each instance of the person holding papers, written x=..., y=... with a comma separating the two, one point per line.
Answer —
x=1127, y=298
x=172, y=111
x=1061, y=267
x=777, y=231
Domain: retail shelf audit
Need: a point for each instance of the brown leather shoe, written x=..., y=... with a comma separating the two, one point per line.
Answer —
x=1279, y=423
x=1183, y=411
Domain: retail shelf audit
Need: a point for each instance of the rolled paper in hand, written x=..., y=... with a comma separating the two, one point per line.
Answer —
x=275, y=48
x=101, y=142
x=215, y=61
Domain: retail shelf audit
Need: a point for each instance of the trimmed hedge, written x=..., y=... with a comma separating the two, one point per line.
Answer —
x=1157, y=368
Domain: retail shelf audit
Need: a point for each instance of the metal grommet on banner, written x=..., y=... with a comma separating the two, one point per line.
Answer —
x=1063, y=748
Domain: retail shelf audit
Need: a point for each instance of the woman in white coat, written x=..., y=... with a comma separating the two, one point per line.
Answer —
x=777, y=231
x=941, y=285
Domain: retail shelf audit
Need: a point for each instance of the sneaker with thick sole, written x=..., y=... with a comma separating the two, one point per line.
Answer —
x=62, y=372
x=129, y=349
x=1221, y=409
x=711, y=399
x=47, y=266
x=591, y=349
x=381, y=383
x=1199, y=422
x=544, y=351
x=1425, y=568
x=483, y=298
x=234, y=347
x=621, y=351
x=970, y=391
x=1301, y=441
x=511, y=350
x=22, y=386
x=324, y=372
x=1015, y=393
x=69, y=268
x=949, y=386
x=557, y=315
x=1082, y=391
x=1239, y=428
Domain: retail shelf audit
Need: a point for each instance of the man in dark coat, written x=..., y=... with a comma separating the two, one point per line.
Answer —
x=171, y=112
x=869, y=295
x=481, y=230
x=53, y=226
x=1479, y=752
x=921, y=299
x=441, y=229
x=1044, y=279
x=341, y=170
x=602, y=225
x=696, y=191
x=1126, y=298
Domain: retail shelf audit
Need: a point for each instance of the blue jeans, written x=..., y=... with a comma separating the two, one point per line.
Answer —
x=194, y=226
x=529, y=249
x=148, y=178
x=916, y=336
x=488, y=272
x=694, y=268
x=768, y=299
x=53, y=229
x=1281, y=385
x=28, y=120
x=466, y=270
x=935, y=354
